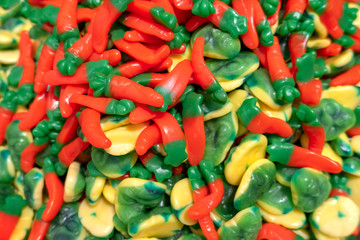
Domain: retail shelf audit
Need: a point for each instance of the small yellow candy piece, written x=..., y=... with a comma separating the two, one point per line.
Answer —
x=98, y=219
x=228, y=86
x=295, y=219
x=73, y=183
x=176, y=58
x=111, y=122
x=348, y=96
x=123, y=139
x=158, y=226
x=181, y=200
x=96, y=189
x=23, y=225
x=321, y=236
x=283, y=113
x=340, y=60
x=220, y=112
x=237, y=97
x=320, y=28
x=354, y=184
x=355, y=144
x=318, y=43
x=252, y=148
x=338, y=216
x=8, y=57
x=109, y=192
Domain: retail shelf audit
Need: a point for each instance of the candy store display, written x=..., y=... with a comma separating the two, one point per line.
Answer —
x=179, y=119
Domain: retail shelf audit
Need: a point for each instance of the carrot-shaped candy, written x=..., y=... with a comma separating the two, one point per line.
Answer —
x=303, y=68
x=273, y=19
x=312, y=127
x=67, y=133
x=281, y=77
x=272, y=231
x=89, y=121
x=147, y=26
x=45, y=63
x=119, y=87
x=203, y=207
x=66, y=23
x=295, y=156
x=294, y=10
x=105, y=16
x=350, y=77
x=36, y=112
x=137, y=36
x=70, y=151
x=184, y=5
x=332, y=50
x=81, y=76
x=39, y=227
x=113, y=56
x=55, y=190
x=195, y=22
x=141, y=113
x=203, y=76
x=174, y=84
x=258, y=122
x=24, y=70
x=76, y=54
x=227, y=19
x=193, y=125
x=66, y=92
x=10, y=212
x=262, y=25
x=7, y=110
x=200, y=191
x=153, y=11
x=104, y=105
x=28, y=155
x=245, y=8
x=150, y=79
x=150, y=136
x=330, y=18
x=270, y=7
x=133, y=68
x=155, y=164
x=172, y=138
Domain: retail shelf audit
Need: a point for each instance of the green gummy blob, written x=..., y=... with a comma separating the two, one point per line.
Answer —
x=112, y=166
x=347, y=18
x=352, y=166
x=15, y=75
x=13, y=205
x=139, y=171
x=342, y=148
x=5, y=191
x=279, y=197
x=269, y=6
x=181, y=36
x=284, y=174
x=17, y=141
x=7, y=170
x=218, y=44
x=258, y=182
x=203, y=8
x=233, y=23
x=133, y=201
x=334, y=117
x=164, y=18
x=309, y=189
x=157, y=166
x=318, y=5
x=220, y=134
x=245, y=225
x=32, y=187
x=66, y=224
x=237, y=67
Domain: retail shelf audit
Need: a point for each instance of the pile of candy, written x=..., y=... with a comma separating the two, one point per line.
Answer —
x=179, y=119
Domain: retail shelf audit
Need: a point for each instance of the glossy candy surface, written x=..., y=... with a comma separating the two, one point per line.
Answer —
x=179, y=119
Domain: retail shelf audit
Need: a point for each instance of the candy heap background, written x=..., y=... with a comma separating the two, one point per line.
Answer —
x=179, y=119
